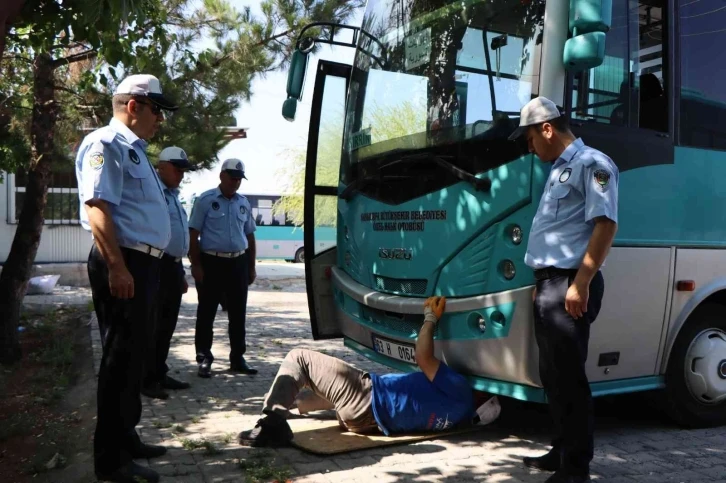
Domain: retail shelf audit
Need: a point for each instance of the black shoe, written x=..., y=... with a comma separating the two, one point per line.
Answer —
x=242, y=367
x=171, y=383
x=564, y=477
x=272, y=431
x=130, y=473
x=154, y=391
x=547, y=462
x=205, y=369
x=146, y=451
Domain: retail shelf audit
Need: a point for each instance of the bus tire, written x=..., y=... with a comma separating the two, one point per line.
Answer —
x=696, y=373
x=300, y=255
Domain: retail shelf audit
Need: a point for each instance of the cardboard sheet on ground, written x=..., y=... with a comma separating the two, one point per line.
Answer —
x=326, y=437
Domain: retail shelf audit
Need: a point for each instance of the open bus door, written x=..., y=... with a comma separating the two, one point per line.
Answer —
x=327, y=116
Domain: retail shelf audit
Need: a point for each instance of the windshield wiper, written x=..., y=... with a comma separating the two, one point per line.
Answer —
x=357, y=183
x=480, y=184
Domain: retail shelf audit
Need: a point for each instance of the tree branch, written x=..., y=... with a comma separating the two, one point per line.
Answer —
x=88, y=54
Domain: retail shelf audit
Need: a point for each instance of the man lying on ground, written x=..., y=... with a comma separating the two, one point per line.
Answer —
x=435, y=399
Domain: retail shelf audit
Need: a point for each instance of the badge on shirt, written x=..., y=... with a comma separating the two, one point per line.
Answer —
x=602, y=178
x=215, y=206
x=565, y=175
x=242, y=210
x=134, y=157
x=95, y=160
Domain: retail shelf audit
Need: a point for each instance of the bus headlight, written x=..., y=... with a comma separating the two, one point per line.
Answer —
x=515, y=233
x=506, y=268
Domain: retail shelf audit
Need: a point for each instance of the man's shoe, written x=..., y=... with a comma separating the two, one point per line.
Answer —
x=146, y=451
x=154, y=391
x=205, y=369
x=564, y=477
x=241, y=366
x=130, y=473
x=171, y=383
x=547, y=462
x=272, y=431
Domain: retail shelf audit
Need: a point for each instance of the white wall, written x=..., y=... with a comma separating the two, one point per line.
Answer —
x=58, y=243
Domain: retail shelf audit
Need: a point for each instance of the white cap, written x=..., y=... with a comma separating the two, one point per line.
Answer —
x=489, y=411
x=235, y=168
x=538, y=110
x=177, y=157
x=145, y=85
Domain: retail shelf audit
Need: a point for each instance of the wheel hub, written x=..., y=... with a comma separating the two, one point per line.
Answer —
x=706, y=366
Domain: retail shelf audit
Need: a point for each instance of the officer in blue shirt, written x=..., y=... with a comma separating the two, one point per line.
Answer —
x=436, y=398
x=571, y=235
x=173, y=163
x=222, y=253
x=122, y=204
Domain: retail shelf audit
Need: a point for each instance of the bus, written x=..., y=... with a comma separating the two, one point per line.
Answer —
x=432, y=199
x=277, y=237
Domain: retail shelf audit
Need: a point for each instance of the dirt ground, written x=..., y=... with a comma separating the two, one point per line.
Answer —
x=47, y=402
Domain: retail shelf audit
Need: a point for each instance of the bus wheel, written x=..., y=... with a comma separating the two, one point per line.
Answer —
x=300, y=256
x=696, y=374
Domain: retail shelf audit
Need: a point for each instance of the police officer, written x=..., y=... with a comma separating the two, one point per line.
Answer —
x=122, y=204
x=222, y=253
x=173, y=163
x=571, y=235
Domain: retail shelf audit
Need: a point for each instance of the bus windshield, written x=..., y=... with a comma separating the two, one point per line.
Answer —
x=436, y=73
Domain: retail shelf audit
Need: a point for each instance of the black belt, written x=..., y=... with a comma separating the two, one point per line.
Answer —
x=552, y=272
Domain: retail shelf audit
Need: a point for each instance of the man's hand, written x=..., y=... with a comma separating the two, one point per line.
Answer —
x=120, y=282
x=434, y=309
x=576, y=299
x=185, y=285
x=252, y=275
x=197, y=273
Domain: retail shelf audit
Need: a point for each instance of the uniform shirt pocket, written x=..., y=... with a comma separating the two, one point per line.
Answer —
x=138, y=175
x=242, y=217
x=216, y=220
x=554, y=200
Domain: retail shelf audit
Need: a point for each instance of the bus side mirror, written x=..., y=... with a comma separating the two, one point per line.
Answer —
x=295, y=83
x=589, y=23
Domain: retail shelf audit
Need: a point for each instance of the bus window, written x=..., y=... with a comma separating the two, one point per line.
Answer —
x=703, y=99
x=628, y=88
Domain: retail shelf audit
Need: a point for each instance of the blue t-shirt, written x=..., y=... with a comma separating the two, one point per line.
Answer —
x=410, y=402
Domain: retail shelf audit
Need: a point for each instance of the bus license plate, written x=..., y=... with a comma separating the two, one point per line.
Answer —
x=395, y=350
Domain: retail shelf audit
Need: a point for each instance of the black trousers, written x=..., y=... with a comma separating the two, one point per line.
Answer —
x=166, y=313
x=228, y=277
x=563, y=343
x=126, y=329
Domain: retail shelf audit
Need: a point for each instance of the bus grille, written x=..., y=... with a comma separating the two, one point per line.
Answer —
x=397, y=325
x=400, y=285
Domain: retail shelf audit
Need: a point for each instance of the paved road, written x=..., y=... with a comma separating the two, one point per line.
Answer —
x=634, y=444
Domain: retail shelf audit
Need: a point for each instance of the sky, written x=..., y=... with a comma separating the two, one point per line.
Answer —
x=269, y=137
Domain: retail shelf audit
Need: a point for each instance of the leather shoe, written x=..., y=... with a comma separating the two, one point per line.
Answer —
x=565, y=477
x=154, y=391
x=146, y=451
x=241, y=366
x=171, y=383
x=547, y=462
x=130, y=473
x=205, y=369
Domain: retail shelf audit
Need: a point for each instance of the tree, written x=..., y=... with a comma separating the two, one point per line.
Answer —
x=64, y=59
x=390, y=122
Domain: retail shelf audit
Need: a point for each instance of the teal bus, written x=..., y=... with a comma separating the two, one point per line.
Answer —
x=432, y=199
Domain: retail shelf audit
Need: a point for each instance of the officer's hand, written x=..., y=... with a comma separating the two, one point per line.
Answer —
x=185, y=285
x=576, y=300
x=434, y=309
x=197, y=273
x=120, y=282
x=252, y=275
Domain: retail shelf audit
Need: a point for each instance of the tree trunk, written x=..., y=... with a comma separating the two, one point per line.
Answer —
x=17, y=269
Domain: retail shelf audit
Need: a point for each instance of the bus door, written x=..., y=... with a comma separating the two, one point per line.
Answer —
x=327, y=115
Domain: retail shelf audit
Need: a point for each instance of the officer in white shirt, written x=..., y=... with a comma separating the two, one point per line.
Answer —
x=123, y=205
x=222, y=253
x=571, y=235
